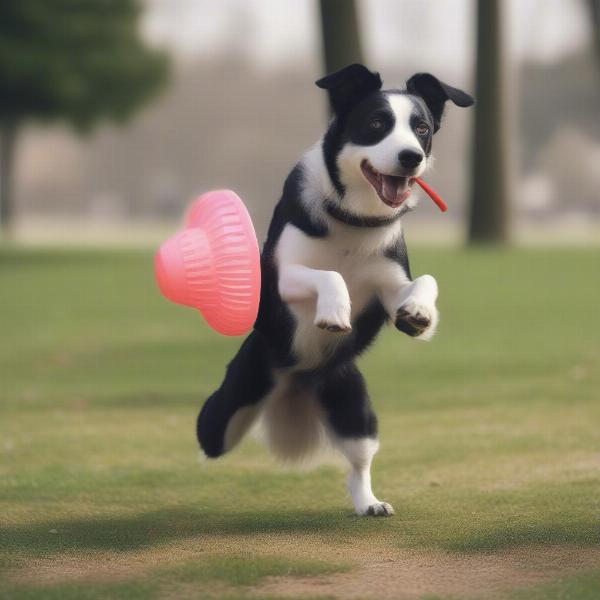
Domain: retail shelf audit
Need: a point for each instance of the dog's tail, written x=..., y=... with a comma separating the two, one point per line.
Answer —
x=230, y=411
x=292, y=421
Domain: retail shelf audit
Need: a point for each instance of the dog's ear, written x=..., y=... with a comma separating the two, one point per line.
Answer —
x=435, y=93
x=349, y=85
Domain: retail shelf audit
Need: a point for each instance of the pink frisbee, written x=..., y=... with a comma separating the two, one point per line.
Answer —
x=213, y=264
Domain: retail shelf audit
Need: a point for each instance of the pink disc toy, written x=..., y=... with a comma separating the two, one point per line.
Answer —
x=213, y=264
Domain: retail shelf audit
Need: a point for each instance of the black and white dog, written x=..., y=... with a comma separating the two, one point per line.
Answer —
x=334, y=270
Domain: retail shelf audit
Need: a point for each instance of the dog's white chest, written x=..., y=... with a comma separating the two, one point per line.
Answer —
x=356, y=256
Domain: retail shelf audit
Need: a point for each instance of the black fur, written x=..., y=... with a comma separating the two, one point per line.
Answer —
x=343, y=394
x=348, y=85
x=398, y=252
x=364, y=330
x=353, y=220
x=435, y=93
x=247, y=380
x=333, y=142
x=290, y=210
x=373, y=107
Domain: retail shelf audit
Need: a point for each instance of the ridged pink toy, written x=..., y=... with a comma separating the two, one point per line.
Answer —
x=213, y=264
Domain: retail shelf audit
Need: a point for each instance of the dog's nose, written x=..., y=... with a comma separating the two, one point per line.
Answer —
x=410, y=159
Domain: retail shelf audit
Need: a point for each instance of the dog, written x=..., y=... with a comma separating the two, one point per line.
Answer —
x=334, y=270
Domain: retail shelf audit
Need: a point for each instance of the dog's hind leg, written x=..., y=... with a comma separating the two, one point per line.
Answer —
x=353, y=428
x=228, y=414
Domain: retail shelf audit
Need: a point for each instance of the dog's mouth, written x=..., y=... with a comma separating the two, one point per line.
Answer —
x=392, y=189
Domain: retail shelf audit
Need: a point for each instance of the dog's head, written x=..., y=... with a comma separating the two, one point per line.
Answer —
x=380, y=140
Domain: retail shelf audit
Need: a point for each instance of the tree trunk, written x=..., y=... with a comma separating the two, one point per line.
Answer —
x=341, y=35
x=594, y=11
x=8, y=138
x=489, y=211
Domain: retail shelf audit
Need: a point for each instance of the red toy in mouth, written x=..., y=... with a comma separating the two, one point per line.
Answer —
x=432, y=194
x=394, y=190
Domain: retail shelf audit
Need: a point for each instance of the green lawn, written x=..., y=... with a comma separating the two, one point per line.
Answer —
x=490, y=443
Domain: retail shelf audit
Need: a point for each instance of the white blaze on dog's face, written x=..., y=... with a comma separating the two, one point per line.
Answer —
x=379, y=141
x=388, y=144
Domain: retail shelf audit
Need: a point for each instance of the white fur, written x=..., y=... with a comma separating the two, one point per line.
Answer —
x=317, y=183
x=360, y=453
x=298, y=283
x=330, y=280
x=384, y=155
x=239, y=424
x=417, y=297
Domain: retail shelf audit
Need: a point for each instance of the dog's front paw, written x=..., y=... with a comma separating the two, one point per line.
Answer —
x=417, y=320
x=334, y=318
x=378, y=509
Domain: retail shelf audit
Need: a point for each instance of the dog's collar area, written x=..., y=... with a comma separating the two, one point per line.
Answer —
x=354, y=220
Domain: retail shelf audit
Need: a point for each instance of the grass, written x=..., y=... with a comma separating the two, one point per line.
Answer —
x=490, y=437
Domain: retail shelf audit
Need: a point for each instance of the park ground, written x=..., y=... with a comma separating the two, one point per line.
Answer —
x=490, y=443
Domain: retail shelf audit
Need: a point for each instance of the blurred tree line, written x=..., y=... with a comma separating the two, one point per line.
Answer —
x=75, y=61
x=85, y=61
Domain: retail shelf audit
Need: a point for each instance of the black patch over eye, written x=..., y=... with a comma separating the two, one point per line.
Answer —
x=422, y=129
x=370, y=121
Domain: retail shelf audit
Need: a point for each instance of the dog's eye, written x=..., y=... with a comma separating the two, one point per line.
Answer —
x=422, y=129
x=376, y=124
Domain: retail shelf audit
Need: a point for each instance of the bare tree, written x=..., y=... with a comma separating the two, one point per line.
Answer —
x=340, y=34
x=594, y=11
x=489, y=210
x=7, y=150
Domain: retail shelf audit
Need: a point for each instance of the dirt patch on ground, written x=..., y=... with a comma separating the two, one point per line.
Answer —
x=412, y=575
x=378, y=572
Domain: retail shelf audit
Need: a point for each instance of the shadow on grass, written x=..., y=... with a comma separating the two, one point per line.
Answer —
x=581, y=533
x=152, y=529
x=159, y=527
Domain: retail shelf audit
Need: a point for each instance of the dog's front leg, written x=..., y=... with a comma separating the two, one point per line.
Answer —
x=298, y=283
x=411, y=304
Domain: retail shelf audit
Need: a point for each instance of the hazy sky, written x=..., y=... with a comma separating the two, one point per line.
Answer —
x=275, y=32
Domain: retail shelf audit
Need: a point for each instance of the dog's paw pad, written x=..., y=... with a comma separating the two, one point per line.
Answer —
x=380, y=509
x=334, y=328
x=413, y=320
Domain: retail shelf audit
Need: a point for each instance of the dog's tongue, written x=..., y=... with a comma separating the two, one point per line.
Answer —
x=394, y=189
